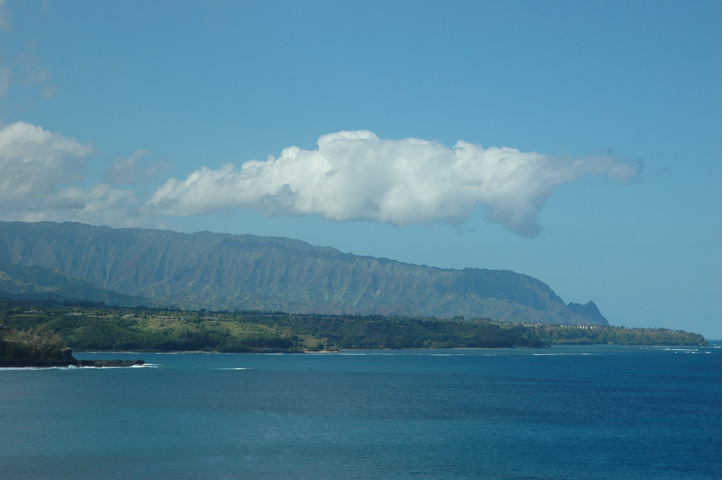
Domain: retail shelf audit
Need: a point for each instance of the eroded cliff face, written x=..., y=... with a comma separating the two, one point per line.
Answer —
x=246, y=272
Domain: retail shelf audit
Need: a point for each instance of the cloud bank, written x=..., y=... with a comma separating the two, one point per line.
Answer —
x=352, y=175
x=355, y=175
x=33, y=161
x=40, y=176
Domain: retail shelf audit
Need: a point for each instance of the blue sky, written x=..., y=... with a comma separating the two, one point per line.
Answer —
x=577, y=142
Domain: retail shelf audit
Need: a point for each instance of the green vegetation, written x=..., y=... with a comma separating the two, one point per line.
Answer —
x=34, y=283
x=34, y=347
x=103, y=328
x=130, y=267
x=606, y=335
x=365, y=332
x=98, y=327
x=93, y=327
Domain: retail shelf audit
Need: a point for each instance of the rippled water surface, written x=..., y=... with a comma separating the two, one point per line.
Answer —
x=560, y=413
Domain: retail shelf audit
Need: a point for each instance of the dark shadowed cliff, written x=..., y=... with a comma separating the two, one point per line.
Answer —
x=246, y=272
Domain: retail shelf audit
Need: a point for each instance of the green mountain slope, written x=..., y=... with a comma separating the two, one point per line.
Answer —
x=32, y=282
x=246, y=272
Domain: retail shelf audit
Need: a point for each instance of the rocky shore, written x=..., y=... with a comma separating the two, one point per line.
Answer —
x=109, y=363
x=67, y=362
x=42, y=348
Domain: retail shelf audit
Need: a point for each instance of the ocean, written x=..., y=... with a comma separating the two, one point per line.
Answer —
x=568, y=412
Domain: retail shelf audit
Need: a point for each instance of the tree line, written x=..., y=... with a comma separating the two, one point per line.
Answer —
x=99, y=327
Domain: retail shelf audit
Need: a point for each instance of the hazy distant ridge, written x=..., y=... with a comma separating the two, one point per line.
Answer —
x=247, y=272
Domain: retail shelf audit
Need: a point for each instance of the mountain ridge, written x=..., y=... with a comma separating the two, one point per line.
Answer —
x=33, y=283
x=247, y=272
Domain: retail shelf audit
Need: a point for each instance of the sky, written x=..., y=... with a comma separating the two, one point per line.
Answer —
x=576, y=142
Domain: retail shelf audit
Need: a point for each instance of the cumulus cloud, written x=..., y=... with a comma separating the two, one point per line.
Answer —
x=352, y=175
x=39, y=172
x=99, y=204
x=355, y=175
x=34, y=161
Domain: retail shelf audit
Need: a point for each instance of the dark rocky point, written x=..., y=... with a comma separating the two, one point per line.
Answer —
x=109, y=363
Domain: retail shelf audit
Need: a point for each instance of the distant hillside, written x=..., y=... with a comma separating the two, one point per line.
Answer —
x=247, y=272
x=31, y=282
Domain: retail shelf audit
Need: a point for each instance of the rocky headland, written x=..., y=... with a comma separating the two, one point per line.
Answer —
x=41, y=348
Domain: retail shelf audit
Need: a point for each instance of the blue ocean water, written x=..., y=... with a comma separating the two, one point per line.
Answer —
x=593, y=412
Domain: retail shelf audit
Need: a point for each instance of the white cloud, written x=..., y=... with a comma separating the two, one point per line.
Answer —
x=354, y=175
x=350, y=176
x=98, y=205
x=39, y=169
x=34, y=161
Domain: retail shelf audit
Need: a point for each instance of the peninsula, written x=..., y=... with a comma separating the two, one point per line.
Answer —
x=93, y=327
x=43, y=348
